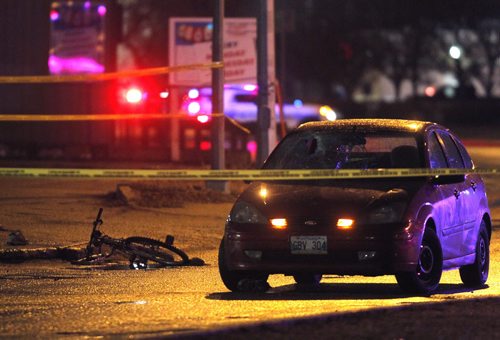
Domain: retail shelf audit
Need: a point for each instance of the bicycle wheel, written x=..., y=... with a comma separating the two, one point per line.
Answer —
x=145, y=248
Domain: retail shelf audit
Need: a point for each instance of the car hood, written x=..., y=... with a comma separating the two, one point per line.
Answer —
x=322, y=198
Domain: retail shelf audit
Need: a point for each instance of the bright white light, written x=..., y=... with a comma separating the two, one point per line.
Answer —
x=249, y=87
x=345, y=223
x=279, y=223
x=263, y=192
x=194, y=108
x=133, y=96
x=164, y=94
x=327, y=112
x=193, y=93
x=455, y=52
x=203, y=118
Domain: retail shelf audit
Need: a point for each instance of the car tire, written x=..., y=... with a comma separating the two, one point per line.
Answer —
x=476, y=274
x=232, y=279
x=307, y=279
x=425, y=279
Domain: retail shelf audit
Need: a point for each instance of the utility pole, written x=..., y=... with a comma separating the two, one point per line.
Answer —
x=218, y=159
x=266, y=70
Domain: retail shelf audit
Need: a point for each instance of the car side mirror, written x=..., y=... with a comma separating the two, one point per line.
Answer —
x=448, y=179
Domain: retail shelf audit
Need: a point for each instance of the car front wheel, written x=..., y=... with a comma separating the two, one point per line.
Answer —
x=425, y=279
x=236, y=280
x=476, y=274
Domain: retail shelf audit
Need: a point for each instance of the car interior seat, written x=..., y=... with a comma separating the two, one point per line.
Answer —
x=405, y=156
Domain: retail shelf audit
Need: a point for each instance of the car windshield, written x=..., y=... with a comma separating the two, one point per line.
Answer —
x=327, y=149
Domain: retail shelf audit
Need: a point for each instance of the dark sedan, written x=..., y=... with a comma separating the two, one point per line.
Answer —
x=410, y=227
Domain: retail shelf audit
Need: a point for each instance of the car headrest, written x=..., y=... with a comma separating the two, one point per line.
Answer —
x=405, y=156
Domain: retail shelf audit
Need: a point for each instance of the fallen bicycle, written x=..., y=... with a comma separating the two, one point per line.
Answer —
x=139, y=250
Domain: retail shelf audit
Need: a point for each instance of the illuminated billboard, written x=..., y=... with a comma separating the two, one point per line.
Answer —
x=77, y=37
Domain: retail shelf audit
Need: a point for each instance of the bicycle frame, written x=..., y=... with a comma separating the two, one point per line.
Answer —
x=138, y=249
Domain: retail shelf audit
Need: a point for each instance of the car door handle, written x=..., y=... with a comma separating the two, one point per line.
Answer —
x=456, y=193
x=473, y=185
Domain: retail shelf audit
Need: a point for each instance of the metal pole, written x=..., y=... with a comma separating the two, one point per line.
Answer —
x=266, y=121
x=218, y=159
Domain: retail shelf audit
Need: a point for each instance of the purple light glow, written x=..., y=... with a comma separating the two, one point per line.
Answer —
x=101, y=10
x=54, y=15
x=59, y=65
x=87, y=5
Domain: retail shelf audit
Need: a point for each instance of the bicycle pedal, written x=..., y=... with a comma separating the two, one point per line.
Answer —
x=196, y=261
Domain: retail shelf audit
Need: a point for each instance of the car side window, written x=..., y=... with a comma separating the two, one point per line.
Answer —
x=451, y=150
x=436, y=155
x=465, y=155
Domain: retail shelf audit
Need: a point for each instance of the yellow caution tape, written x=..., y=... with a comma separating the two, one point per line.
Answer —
x=238, y=125
x=226, y=175
x=110, y=116
x=106, y=76
x=93, y=117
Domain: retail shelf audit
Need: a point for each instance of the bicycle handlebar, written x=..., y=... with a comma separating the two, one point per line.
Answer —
x=98, y=218
x=96, y=223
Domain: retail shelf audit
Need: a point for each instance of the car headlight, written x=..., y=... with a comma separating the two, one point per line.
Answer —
x=389, y=213
x=243, y=212
x=327, y=112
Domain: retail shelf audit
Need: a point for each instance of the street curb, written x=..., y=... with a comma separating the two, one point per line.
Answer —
x=21, y=255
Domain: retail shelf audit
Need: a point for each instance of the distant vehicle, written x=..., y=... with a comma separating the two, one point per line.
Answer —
x=413, y=227
x=240, y=104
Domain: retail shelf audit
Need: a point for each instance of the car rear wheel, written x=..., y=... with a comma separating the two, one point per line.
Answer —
x=476, y=274
x=425, y=279
x=238, y=280
x=307, y=279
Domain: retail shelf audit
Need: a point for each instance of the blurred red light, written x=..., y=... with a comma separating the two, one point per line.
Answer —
x=252, y=149
x=430, y=91
x=133, y=96
x=205, y=145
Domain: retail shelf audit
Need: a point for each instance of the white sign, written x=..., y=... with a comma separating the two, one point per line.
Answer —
x=190, y=42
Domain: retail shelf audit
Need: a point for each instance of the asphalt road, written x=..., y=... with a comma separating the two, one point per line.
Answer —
x=55, y=298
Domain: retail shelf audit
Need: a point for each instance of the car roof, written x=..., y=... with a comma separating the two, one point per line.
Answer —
x=376, y=124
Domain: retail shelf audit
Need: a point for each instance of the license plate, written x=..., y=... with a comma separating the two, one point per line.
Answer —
x=308, y=245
